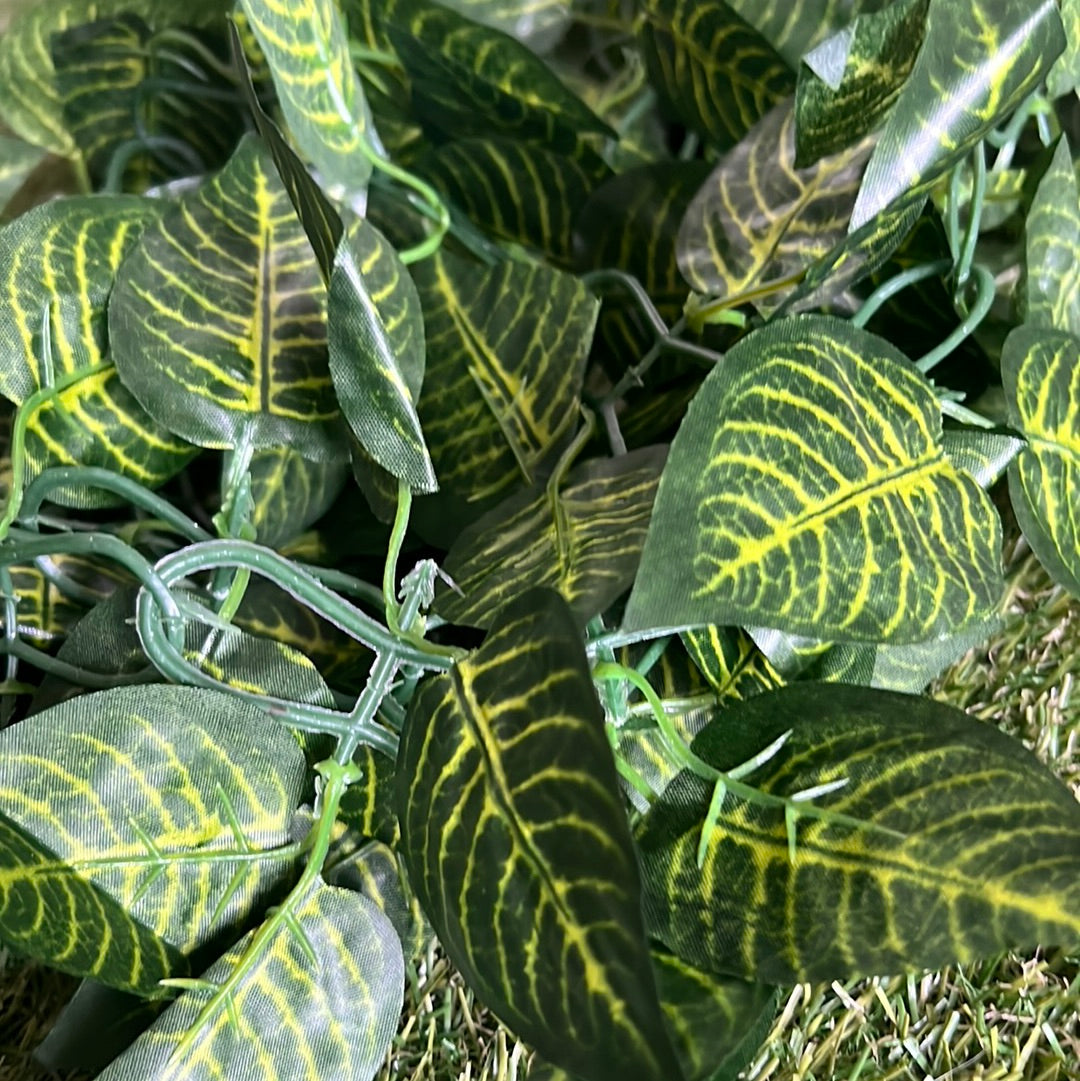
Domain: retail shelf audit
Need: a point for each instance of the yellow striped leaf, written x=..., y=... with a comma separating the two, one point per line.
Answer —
x=793, y=27
x=757, y=221
x=728, y=658
x=288, y=493
x=509, y=803
x=533, y=22
x=980, y=60
x=17, y=161
x=962, y=844
x=321, y=1000
x=583, y=540
x=718, y=73
x=1064, y=76
x=808, y=491
x=217, y=319
x=118, y=852
x=1040, y=370
x=318, y=89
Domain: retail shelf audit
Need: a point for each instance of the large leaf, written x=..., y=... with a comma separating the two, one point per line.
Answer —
x=793, y=27
x=980, y=59
x=506, y=350
x=718, y=73
x=318, y=89
x=58, y=262
x=321, y=999
x=808, y=490
x=964, y=845
x=848, y=84
x=217, y=320
x=535, y=23
x=758, y=220
x=583, y=539
x=509, y=804
x=1040, y=370
x=118, y=812
x=1052, y=294
x=1064, y=76
x=289, y=492
x=377, y=353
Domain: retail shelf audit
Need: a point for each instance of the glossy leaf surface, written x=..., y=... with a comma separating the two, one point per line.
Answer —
x=1040, y=370
x=218, y=317
x=509, y=805
x=718, y=73
x=980, y=60
x=112, y=807
x=377, y=354
x=583, y=540
x=793, y=27
x=320, y=1000
x=986, y=859
x=821, y=501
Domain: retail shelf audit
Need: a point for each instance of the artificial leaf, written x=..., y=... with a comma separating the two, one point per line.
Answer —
x=289, y=492
x=582, y=538
x=509, y=803
x=808, y=491
x=377, y=354
x=982, y=452
x=217, y=319
x=1052, y=291
x=119, y=813
x=879, y=51
x=719, y=74
x=320, y=998
x=1040, y=370
x=506, y=351
x=733, y=664
x=793, y=27
x=320, y=94
x=367, y=807
x=17, y=161
x=469, y=79
x=758, y=221
x=533, y=22
x=1064, y=76
x=979, y=60
x=518, y=192
x=957, y=843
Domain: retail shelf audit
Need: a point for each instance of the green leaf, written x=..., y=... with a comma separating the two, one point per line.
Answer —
x=793, y=27
x=808, y=491
x=58, y=262
x=532, y=22
x=1052, y=292
x=757, y=221
x=1040, y=370
x=979, y=61
x=367, y=808
x=289, y=492
x=506, y=352
x=377, y=354
x=516, y=191
x=877, y=53
x=17, y=161
x=582, y=539
x=509, y=803
x=217, y=319
x=291, y=1015
x=130, y=817
x=718, y=73
x=318, y=89
x=1064, y=76
x=986, y=858
x=29, y=99
x=471, y=80
x=728, y=658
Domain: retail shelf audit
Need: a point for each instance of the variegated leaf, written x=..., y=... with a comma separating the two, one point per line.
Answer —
x=728, y=658
x=957, y=842
x=509, y=803
x=17, y=161
x=1064, y=76
x=793, y=27
x=583, y=539
x=808, y=491
x=217, y=321
x=289, y=493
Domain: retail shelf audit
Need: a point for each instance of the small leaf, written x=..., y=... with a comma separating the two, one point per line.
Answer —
x=509, y=803
x=1040, y=370
x=289, y=493
x=298, y=1017
x=808, y=491
x=986, y=858
x=979, y=61
x=377, y=354
x=584, y=540
x=17, y=161
x=793, y=27
x=719, y=74
x=728, y=658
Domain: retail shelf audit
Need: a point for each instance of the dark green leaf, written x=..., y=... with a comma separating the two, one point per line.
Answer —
x=979, y=61
x=808, y=491
x=1065, y=74
x=728, y=658
x=793, y=27
x=377, y=354
x=533, y=22
x=583, y=539
x=289, y=493
x=509, y=803
x=217, y=320
x=986, y=858
x=719, y=74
